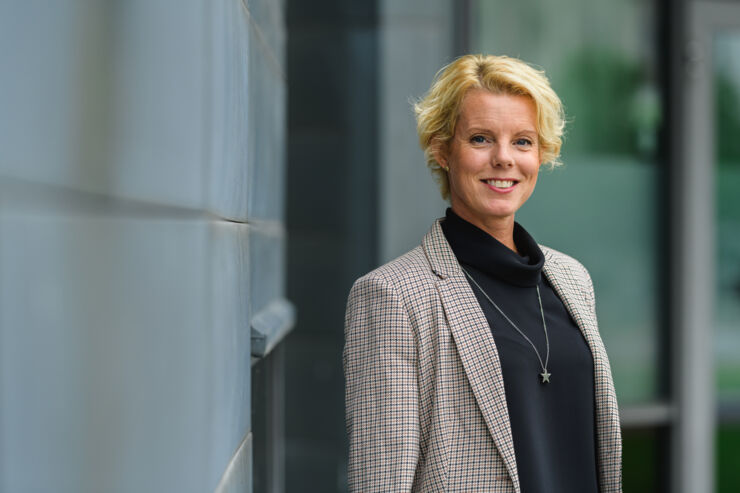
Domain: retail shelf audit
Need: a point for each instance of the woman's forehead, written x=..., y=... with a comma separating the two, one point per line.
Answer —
x=484, y=108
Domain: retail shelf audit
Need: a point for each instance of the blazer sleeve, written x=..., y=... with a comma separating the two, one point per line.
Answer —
x=382, y=402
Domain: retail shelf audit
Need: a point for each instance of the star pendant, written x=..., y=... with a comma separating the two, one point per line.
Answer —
x=545, y=377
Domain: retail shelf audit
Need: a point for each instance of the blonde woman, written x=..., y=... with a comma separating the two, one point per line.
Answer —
x=474, y=361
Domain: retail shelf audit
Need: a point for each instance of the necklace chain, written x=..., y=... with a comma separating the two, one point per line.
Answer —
x=545, y=374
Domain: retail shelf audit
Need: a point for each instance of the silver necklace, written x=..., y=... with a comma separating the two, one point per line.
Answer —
x=545, y=375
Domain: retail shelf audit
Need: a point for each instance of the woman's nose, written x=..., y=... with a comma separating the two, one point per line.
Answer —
x=501, y=156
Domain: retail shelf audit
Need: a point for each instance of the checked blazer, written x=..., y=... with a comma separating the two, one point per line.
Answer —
x=425, y=404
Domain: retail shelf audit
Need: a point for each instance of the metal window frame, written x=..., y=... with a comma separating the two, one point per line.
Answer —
x=693, y=463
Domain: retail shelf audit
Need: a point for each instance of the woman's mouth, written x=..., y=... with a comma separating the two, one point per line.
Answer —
x=500, y=185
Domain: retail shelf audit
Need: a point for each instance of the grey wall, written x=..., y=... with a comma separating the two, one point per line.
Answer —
x=140, y=231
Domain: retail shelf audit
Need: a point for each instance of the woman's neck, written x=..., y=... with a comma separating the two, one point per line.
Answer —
x=500, y=228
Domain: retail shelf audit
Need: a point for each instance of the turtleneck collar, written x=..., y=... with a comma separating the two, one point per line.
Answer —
x=475, y=247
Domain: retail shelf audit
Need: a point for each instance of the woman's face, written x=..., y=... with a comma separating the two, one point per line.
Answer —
x=493, y=158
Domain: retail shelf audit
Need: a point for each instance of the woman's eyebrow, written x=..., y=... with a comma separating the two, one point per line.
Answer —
x=483, y=130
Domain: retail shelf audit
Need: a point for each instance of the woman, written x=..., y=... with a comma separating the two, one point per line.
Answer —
x=474, y=362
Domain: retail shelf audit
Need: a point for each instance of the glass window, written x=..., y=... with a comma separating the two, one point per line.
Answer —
x=600, y=207
x=727, y=184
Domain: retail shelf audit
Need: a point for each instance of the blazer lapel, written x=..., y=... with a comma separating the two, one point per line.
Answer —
x=574, y=301
x=475, y=344
x=565, y=282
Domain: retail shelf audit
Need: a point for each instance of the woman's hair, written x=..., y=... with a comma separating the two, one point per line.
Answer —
x=437, y=112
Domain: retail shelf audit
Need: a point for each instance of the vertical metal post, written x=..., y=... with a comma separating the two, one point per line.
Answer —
x=693, y=220
x=276, y=420
x=462, y=30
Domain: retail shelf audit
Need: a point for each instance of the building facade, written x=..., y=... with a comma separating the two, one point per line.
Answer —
x=142, y=292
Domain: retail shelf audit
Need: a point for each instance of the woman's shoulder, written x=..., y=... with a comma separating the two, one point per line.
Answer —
x=411, y=268
x=564, y=261
x=553, y=255
x=406, y=283
x=561, y=264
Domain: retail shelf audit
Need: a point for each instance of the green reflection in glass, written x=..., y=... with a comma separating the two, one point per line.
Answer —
x=639, y=468
x=728, y=458
x=613, y=109
x=601, y=206
x=727, y=189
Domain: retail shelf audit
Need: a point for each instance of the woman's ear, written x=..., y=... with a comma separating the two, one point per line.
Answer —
x=440, y=155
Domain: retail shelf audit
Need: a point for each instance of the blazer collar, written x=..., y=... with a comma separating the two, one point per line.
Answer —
x=439, y=253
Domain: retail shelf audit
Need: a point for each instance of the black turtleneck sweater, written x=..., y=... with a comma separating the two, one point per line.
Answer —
x=552, y=424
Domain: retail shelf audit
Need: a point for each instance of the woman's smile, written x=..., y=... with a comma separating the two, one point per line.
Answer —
x=500, y=185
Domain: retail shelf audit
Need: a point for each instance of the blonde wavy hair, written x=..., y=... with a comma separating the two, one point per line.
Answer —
x=437, y=112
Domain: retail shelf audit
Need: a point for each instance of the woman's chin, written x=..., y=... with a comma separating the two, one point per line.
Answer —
x=504, y=212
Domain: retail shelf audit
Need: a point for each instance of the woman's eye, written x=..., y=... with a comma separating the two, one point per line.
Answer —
x=523, y=142
x=478, y=139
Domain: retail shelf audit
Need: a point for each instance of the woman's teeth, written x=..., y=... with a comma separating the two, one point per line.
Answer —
x=501, y=183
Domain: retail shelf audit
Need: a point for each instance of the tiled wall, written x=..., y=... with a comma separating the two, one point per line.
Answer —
x=141, y=204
